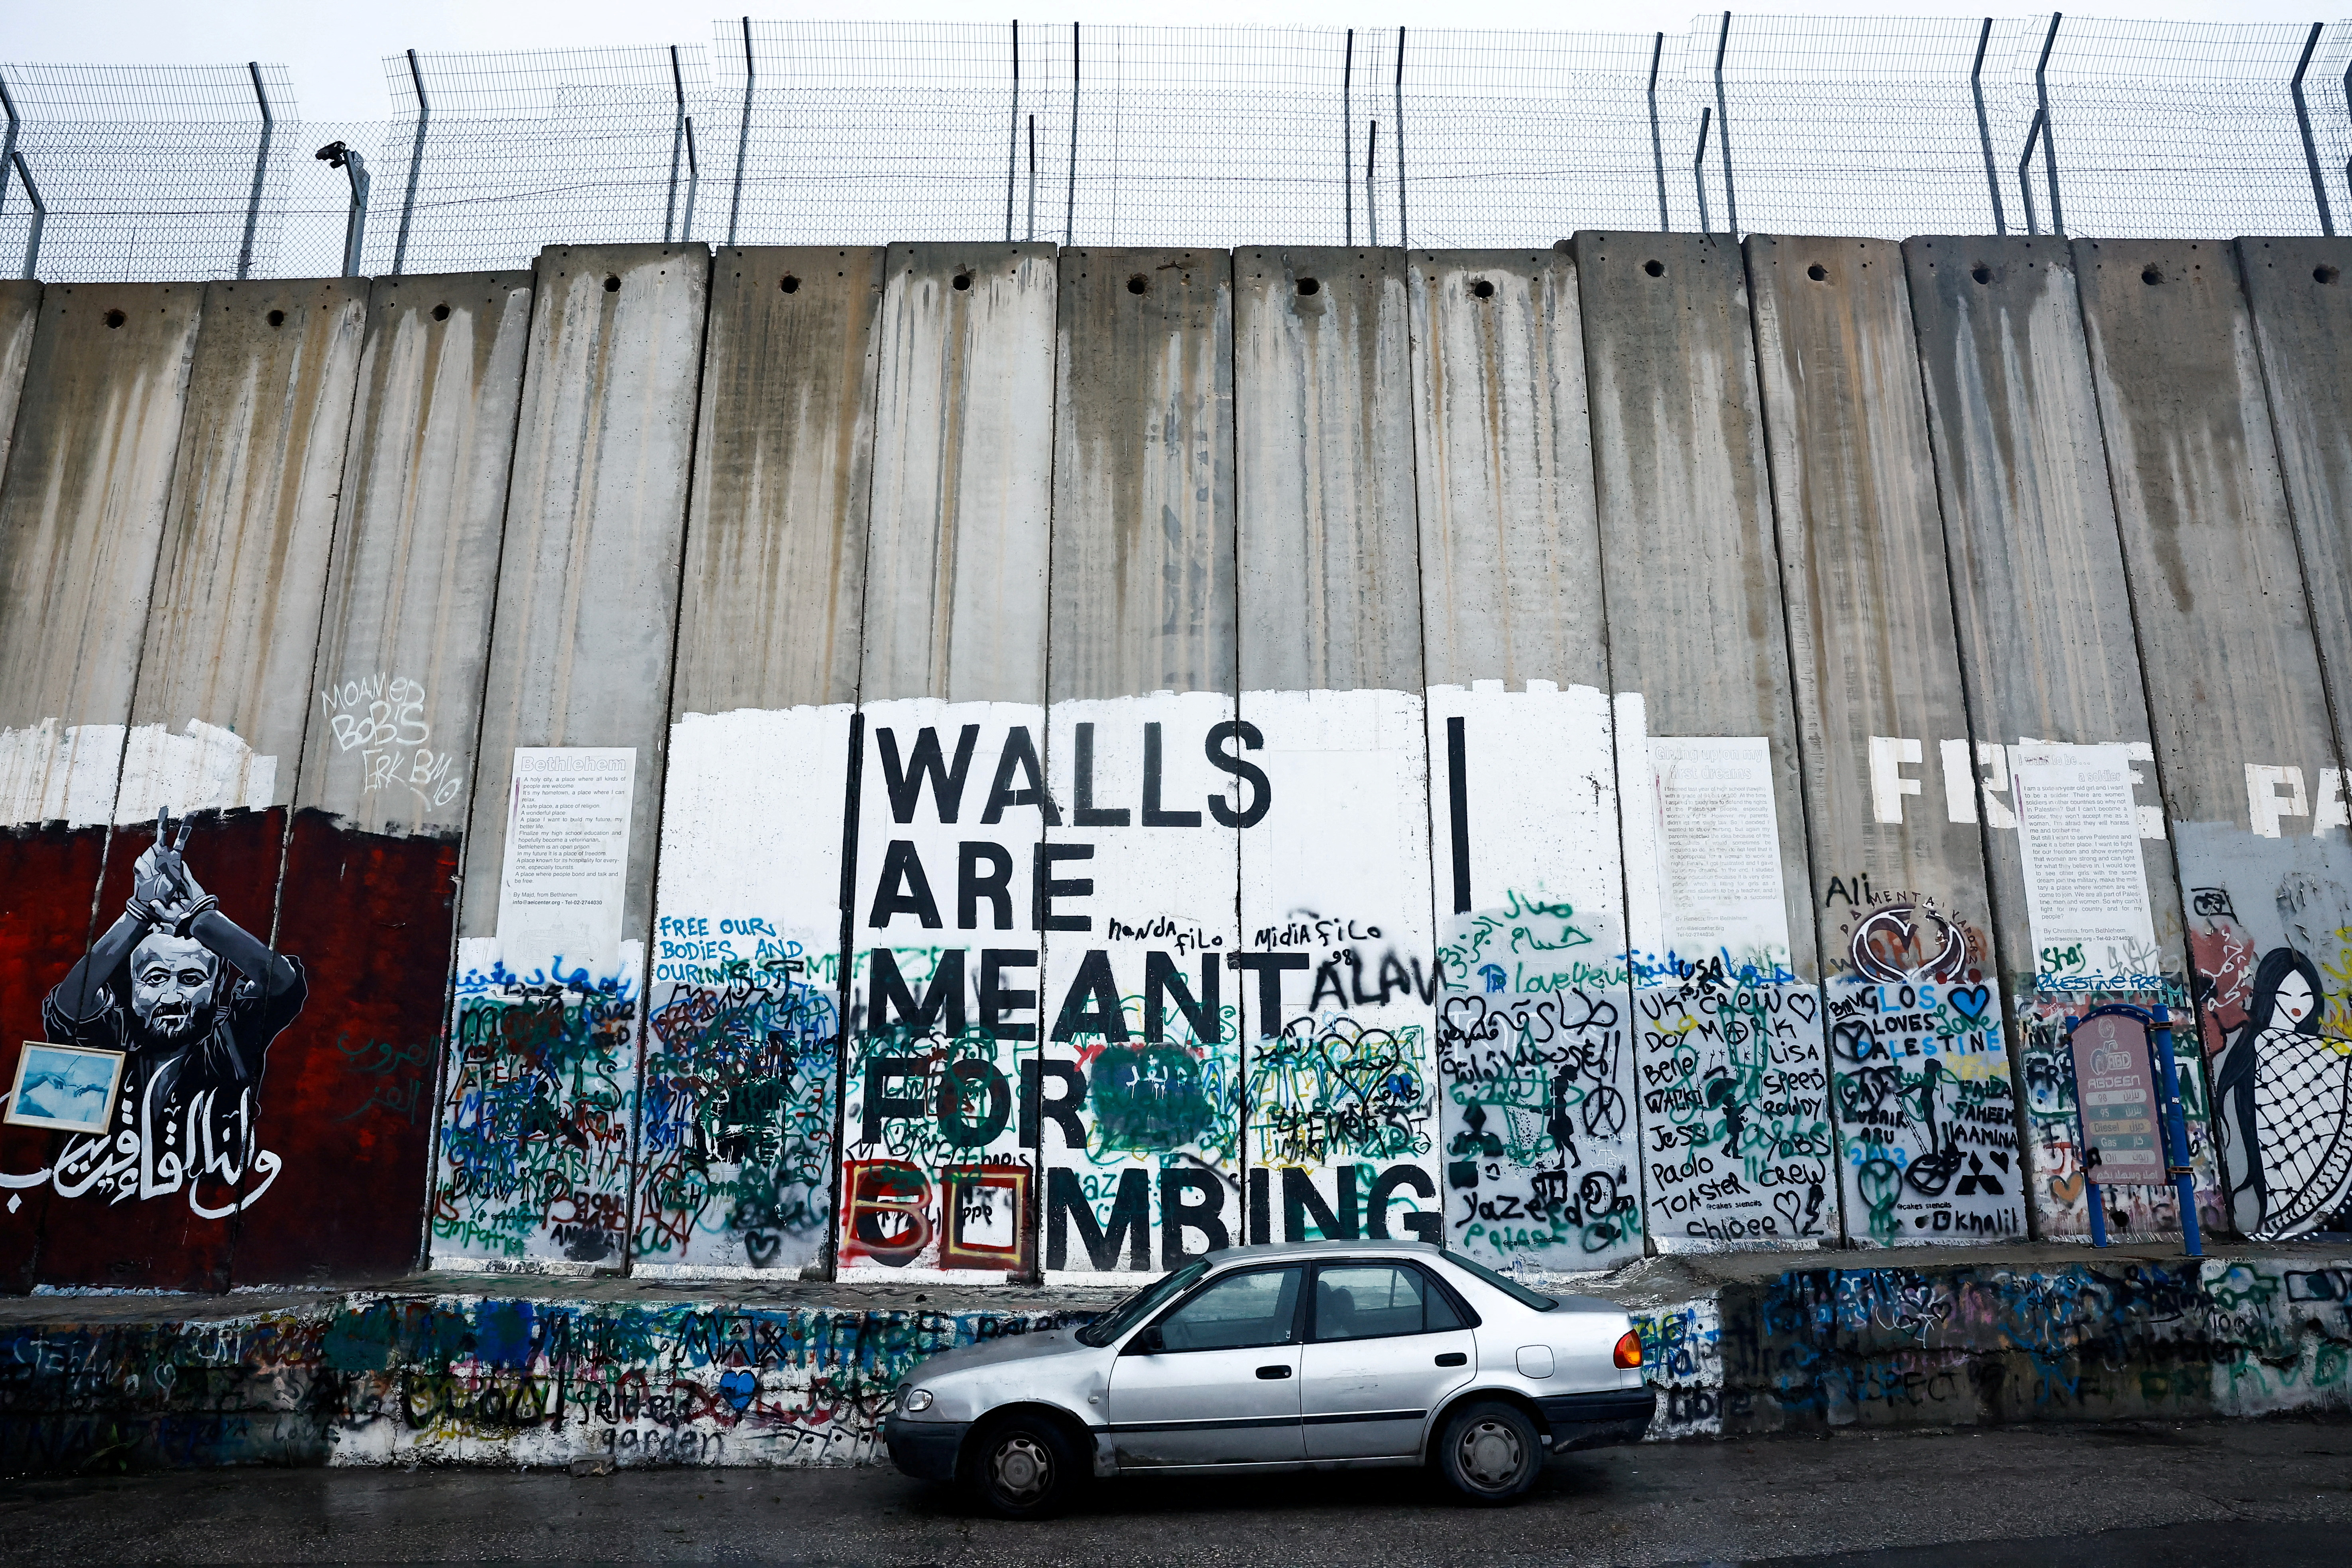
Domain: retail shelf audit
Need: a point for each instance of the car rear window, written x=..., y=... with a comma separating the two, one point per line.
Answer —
x=1507, y=1285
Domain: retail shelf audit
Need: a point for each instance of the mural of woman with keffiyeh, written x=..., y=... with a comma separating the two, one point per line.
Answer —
x=2283, y=1118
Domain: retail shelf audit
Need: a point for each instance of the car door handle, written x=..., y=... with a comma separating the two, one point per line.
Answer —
x=1453, y=1358
x=1273, y=1373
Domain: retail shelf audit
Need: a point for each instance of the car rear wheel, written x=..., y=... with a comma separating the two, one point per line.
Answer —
x=1490, y=1452
x=1021, y=1466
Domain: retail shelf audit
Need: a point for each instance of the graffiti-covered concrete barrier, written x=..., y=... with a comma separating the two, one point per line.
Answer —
x=439, y=1371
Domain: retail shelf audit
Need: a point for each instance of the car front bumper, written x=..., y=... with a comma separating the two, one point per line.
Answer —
x=1599, y=1419
x=926, y=1450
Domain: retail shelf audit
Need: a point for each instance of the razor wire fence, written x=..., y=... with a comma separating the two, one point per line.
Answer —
x=799, y=132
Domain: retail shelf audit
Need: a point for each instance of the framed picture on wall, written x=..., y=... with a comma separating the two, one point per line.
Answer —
x=63, y=1088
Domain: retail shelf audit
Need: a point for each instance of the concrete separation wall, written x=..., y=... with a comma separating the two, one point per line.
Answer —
x=986, y=764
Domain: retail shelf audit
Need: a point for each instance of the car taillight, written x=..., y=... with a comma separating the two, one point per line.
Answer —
x=1629, y=1350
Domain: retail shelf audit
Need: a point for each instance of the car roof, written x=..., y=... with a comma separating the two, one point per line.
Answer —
x=1275, y=1252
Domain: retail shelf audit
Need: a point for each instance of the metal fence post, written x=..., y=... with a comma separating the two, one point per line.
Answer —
x=2303, y=123
x=260, y=168
x=2048, y=127
x=1723, y=129
x=8, y=140
x=1699, y=167
x=1013, y=134
x=1405, y=224
x=742, y=139
x=415, y=166
x=40, y=215
x=1033, y=177
x=1070, y=201
x=1371, y=191
x=1984, y=127
x=2025, y=172
x=693, y=183
x=337, y=156
x=1657, y=145
x=1348, y=144
x=676, y=145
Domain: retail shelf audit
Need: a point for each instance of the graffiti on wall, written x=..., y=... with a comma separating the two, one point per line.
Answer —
x=192, y=1001
x=1533, y=1049
x=1735, y=1139
x=1919, y=1070
x=735, y=1143
x=2269, y=939
x=534, y=1162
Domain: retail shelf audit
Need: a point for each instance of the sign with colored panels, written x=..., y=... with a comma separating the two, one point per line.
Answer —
x=2122, y=1142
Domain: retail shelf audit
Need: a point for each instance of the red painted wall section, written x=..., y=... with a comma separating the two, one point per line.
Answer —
x=45, y=877
x=347, y=1102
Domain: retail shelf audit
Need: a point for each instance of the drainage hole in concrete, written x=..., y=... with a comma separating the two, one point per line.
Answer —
x=612, y=284
x=1136, y=285
x=1654, y=268
x=2150, y=276
x=276, y=318
x=1981, y=274
x=963, y=279
x=440, y=312
x=1482, y=290
x=1309, y=286
x=1817, y=273
x=115, y=318
x=790, y=284
x=2323, y=275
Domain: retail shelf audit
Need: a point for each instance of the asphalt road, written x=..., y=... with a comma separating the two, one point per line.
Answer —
x=2263, y=1494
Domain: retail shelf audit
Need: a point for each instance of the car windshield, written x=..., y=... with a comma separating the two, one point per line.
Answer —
x=1505, y=1283
x=1140, y=1306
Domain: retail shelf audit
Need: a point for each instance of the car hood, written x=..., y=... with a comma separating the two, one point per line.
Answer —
x=998, y=1352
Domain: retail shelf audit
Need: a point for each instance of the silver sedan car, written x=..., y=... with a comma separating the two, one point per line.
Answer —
x=1269, y=1358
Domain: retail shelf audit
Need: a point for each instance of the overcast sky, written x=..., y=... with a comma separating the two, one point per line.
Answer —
x=336, y=51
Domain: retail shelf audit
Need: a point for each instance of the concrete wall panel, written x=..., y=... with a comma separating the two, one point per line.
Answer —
x=735, y=1128
x=542, y=1085
x=20, y=315
x=1340, y=1101
x=1920, y=1067
x=2048, y=652
x=940, y=1171
x=1726, y=1004
x=230, y=640
x=2245, y=744
x=81, y=517
x=380, y=806
x=1143, y=669
x=1536, y=1068
x=963, y=469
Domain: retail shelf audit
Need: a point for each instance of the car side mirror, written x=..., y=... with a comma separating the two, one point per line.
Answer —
x=1151, y=1340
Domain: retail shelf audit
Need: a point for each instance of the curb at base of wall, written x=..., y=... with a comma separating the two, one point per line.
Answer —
x=439, y=1378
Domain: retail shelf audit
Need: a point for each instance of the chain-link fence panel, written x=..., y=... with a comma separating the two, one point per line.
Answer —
x=802, y=132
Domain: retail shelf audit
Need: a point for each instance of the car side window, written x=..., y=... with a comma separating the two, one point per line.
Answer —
x=1373, y=1301
x=1239, y=1311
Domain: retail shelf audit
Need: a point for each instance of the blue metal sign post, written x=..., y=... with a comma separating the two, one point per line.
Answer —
x=2117, y=1117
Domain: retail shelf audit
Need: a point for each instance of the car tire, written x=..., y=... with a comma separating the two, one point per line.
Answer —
x=1490, y=1453
x=1021, y=1466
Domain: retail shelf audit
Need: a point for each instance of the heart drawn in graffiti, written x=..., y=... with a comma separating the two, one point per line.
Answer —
x=738, y=1387
x=1970, y=1001
x=1803, y=1004
x=1793, y=1209
x=762, y=1246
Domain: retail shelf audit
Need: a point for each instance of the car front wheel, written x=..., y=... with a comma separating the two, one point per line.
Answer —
x=1022, y=1467
x=1490, y=1453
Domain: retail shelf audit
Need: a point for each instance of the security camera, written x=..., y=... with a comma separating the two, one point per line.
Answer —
x=333, y=154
